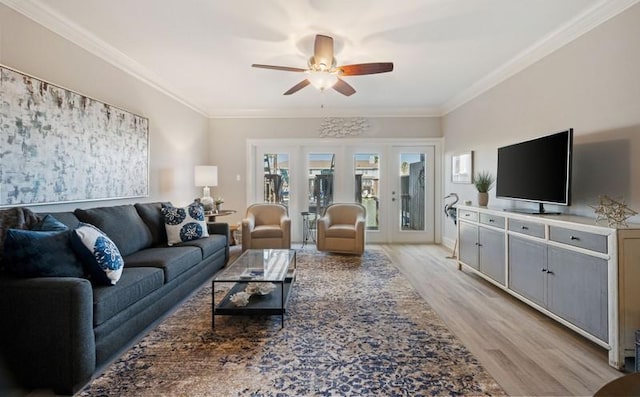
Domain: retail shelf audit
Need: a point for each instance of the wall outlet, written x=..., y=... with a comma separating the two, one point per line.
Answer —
x=238, y=177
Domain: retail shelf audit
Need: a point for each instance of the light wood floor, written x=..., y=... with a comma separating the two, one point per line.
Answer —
x=525, y=351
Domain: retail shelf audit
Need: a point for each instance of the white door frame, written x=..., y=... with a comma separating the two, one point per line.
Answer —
x=393, y=212
x=343, y=185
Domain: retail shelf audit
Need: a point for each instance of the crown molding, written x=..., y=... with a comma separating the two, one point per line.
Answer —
x=324, y=112
x=86, y=40
x=576, y=27
x=581, y=24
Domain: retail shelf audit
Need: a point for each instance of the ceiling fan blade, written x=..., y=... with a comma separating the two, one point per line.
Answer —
x=297, y=87
x=323, y=51
x=366, y=68
x=344, y=88
x=283, y=68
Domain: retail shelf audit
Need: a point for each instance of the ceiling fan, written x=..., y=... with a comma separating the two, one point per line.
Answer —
x=323, y=72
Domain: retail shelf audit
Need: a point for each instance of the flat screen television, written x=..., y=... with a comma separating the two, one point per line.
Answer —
x=538, y=170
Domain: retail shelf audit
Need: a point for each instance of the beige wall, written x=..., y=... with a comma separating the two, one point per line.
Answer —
x=178, y=135
x=592, y=85
x=229, y=139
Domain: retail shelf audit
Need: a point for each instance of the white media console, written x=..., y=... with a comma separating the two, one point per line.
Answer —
x=585, y=276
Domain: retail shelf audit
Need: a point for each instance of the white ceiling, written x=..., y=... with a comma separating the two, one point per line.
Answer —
x=200, y=51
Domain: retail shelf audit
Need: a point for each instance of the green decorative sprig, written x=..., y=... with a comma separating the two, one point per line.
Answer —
x=483, y=181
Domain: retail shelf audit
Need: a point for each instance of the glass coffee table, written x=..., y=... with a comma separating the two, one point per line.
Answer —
x=262, y=281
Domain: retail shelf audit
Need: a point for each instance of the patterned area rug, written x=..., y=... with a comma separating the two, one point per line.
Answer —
x=354, y=327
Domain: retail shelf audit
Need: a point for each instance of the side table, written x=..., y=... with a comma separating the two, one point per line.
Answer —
x=307, y=231
x=212, y=215
x=232, y=231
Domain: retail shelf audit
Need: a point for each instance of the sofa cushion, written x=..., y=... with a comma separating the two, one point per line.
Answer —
x=98, y=253
x=40, y=254
x=121, y=223
x=172, y=260
x=209, y=245
x=135, y=284
x=340, y=231
x=151, y=214
x=49, y=223
x=267, y=231
x=68, y=218
x=184, y=224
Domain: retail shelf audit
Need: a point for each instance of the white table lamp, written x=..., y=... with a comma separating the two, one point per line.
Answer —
x=206, y=175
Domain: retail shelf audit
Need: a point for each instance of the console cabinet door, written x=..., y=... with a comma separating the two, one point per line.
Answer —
x=577, y=290
x=528, y=269
x=469, y=244
x=491, y=252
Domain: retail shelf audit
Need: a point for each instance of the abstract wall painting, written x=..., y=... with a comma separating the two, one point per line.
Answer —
x=60, y=146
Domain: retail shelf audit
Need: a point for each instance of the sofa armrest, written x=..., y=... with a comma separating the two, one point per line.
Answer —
x=361, y=225
x=46, y=336
x=221, y=228
x=322, y=224
x=285, y=225
x=360, y=222
x=248, y=224
x=218, y=228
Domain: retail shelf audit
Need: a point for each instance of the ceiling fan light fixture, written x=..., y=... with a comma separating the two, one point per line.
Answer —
x=322, y=79
x=323, y=72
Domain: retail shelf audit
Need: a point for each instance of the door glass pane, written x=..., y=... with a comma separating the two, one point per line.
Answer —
x=367, y=179
x=276, y=178
x=321, y=167
x=412, y=191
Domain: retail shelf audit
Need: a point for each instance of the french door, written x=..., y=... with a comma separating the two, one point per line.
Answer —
x=412, y=190
x=397, y=184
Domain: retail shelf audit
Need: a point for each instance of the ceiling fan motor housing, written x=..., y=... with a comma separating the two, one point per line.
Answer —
x=321, y=65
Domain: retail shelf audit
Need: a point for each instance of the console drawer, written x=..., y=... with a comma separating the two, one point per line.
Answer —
x=468, y=215
x=576, y=238
x=493, y=220
x=528, y=228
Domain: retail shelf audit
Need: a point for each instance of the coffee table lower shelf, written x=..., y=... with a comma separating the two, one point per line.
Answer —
x=271, y=304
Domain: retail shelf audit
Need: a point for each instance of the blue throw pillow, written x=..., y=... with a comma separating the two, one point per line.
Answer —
x=29, y=253
x=49, y=223
x=184, y=224
x=99, y=254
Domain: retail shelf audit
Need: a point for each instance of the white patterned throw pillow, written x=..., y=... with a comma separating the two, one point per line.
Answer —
x=184, y=224
x=98, y=253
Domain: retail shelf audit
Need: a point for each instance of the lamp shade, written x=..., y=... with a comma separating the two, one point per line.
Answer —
x=206, y=175
x=322, y=79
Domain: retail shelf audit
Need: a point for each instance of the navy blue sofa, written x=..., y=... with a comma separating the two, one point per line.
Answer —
x=60, y=332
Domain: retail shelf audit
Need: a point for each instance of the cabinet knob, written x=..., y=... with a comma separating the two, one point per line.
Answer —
x=549, y=272
x=575, y=238
x=491, y=220
x=543, y=270
x=524, y=228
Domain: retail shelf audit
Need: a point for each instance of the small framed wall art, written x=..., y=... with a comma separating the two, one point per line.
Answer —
x=462, y=167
